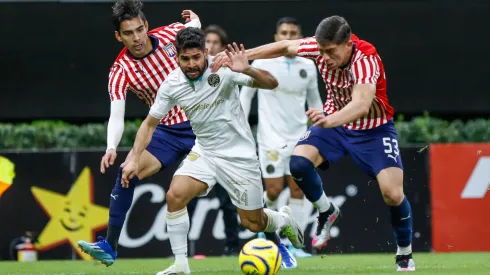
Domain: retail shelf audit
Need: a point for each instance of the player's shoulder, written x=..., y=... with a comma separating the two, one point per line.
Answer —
x=172, y=28
x=121, y=60
x=308, y=40
x=264, y=63
x=305, y=62
x=364, y=46
x=175, y=78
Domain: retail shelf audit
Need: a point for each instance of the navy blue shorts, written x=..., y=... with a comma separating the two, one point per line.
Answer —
x=372, y=150
x=169, y=143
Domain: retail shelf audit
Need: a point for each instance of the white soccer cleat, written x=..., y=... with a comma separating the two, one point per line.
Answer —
x=325, y=222
x=176, y=269
x=405, y=263
x=293, y=231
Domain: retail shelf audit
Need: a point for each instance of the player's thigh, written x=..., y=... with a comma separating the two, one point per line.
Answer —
x=166, y=148
x=374, y=150
x=242, y=180
x=182, y=190
x=320, y=145
x=296, y=192
x=197, y=167
x=271, y=162
x=148, y=165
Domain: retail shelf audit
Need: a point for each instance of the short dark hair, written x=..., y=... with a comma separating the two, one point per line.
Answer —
x=287, y=20
x=219, y=31
x=126, y=10
x=190, y=38
x=333, y=30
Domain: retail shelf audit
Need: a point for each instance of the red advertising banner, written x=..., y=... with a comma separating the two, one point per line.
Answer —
x=460, y=182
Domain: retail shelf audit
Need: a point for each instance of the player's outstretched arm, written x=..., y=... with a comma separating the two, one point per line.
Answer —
x=272, y=50
x=143, y=137
x=238, y=63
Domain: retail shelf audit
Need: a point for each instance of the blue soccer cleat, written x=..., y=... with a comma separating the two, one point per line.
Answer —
x=288, y=260
x=299, y=252
x=101, y=251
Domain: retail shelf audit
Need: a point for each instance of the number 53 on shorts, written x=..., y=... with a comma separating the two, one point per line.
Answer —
x=391, y=148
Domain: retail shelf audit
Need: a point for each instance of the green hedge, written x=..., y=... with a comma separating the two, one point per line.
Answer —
x=59, y=135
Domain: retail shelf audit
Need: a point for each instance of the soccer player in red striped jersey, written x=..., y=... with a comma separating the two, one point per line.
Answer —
x=141, y=67
x=357, y=119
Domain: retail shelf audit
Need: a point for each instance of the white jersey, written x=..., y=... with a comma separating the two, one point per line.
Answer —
x=282, y=118
x=212, y=106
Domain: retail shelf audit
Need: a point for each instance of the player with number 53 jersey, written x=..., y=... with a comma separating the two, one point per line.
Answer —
x=356, y=120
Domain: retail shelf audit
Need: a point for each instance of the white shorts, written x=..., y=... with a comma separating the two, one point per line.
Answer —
x=241, y=178
x=274, y=163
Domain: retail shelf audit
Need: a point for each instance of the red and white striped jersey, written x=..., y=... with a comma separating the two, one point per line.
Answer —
x=365, y=66
x=143, y=76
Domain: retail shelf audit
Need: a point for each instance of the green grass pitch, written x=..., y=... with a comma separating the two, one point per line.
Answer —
x=427, y=263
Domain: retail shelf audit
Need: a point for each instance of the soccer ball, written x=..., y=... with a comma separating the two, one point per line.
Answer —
x=260, y=257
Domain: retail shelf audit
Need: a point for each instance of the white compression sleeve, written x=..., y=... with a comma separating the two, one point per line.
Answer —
x=195, y=23
x=115, y=127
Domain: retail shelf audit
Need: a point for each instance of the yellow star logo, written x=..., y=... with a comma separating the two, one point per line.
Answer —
x=7, y=174
x=73, y=216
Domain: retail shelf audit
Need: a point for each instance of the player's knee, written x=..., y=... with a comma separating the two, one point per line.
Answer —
x=393, y=196
x=273, y=191
x=299, y=166
x=176, y=199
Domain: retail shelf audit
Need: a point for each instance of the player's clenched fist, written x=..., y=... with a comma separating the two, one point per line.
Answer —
x=130, y=168
x=189, y=15
x=107, y=160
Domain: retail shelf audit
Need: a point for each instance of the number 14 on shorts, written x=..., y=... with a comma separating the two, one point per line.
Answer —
x=391, y=148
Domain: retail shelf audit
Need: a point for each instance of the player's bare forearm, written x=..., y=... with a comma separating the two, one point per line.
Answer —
x=143, y=137
x=273, y=50
x=262, y=79
x=362, y=99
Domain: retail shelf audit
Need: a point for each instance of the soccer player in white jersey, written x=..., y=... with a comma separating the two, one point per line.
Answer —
x=144, y=63
x=357, y=120
x=282, y=119
x=225, y=149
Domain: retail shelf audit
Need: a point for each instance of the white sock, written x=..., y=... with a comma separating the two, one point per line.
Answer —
x=297, y=207
x=177, y=229
x=322, y=204
x=404, y=250
x=275, y=220
x=270, y=203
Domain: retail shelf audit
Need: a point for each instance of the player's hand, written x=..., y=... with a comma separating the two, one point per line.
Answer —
x=317, y=117
x=189, y=15
x=238, y=60
x=219, y=60
x=130, y=168
x=107, y=160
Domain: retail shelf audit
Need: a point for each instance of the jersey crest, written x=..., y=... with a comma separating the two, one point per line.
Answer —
x=213, y=80
x=169, y=49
